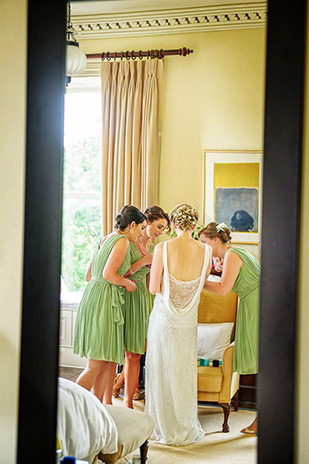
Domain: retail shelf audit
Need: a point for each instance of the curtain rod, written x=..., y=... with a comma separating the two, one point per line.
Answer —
x=141, y=54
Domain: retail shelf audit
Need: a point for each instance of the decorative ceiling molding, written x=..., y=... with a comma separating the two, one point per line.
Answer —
x=215, y=18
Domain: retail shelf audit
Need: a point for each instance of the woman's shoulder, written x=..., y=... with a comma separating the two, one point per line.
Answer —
x=236, y=253
x=159, y=246
x=202, y=247
x=112, y=238
x=236, y=250
x=239, y=251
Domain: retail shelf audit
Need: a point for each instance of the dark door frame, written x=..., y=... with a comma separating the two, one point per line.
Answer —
x=42, y=235
x=43, y=217
x=281, y=232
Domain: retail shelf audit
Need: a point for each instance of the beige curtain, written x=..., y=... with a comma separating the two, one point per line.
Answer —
x=131, y=120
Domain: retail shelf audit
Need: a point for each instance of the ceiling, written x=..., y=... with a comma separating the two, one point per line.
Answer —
x=122, y=6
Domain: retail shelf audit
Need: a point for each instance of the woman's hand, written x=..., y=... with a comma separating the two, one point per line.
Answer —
x=147, y=259
x=129, y=285
x=144, y=261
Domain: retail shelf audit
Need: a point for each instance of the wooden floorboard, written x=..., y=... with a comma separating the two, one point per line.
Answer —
x=70, y=373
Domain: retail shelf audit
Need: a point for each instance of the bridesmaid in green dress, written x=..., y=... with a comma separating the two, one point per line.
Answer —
x=99, y=328
x=138, y=305
x=241, y=274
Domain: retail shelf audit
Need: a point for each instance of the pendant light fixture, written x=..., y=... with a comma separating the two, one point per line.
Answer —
x=76, y=60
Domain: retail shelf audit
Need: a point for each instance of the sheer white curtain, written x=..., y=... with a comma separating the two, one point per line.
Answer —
x=131, y=108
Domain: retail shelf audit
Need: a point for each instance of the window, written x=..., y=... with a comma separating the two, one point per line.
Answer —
x=81, y=229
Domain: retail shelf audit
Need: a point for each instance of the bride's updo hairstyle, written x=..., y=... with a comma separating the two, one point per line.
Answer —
x=128, y=214
x=213, y=230
x=184, y=216
x=154, y=213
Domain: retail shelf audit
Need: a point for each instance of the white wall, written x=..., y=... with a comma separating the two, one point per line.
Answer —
x=13, y=41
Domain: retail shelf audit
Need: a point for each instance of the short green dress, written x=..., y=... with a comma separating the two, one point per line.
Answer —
x=247, y=287
x=137, y=307
x=99, y=328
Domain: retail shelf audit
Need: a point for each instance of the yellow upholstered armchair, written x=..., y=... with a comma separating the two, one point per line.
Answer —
x=219, y=384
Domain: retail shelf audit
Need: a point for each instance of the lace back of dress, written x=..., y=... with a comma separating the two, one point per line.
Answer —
x=181, y=292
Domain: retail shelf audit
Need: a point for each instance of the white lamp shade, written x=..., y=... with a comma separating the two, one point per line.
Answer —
x=76, y=60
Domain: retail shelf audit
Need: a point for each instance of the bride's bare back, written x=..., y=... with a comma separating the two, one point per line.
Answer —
x=185, y=258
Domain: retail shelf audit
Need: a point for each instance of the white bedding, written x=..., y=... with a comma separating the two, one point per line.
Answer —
x=84, y=426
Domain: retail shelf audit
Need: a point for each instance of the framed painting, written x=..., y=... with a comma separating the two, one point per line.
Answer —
x=232, y=192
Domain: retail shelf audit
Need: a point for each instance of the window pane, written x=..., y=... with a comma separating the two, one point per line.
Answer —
x=82, y=187
x=81, y=233
x=82, y=141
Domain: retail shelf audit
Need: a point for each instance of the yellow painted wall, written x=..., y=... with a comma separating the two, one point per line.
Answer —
x=302, y=405
x=12, y=161
x=213, y=99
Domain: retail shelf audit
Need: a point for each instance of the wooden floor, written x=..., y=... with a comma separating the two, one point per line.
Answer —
x=247, y=391
x=70, y=373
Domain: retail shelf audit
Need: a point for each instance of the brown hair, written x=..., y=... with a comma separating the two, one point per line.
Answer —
x=184, y=216
x=128, y=214
x=154, y=213
x=224, y=233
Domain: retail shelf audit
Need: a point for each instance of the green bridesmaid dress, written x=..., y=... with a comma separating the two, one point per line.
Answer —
x=99, y=328
x=137, y=307
x=247, y=287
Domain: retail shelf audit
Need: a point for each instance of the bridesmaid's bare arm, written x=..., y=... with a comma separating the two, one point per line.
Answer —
x=231, y=268
x=88, y=272
x=156, y=270
x=115, y=259
x=209, y=263
x=144, y=261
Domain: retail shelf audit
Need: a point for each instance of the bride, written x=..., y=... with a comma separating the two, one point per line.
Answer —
x=178, y=273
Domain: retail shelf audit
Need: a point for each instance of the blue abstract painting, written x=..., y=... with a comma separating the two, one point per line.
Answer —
x=238, y=208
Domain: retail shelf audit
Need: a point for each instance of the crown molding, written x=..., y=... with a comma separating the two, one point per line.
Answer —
x=197, y=19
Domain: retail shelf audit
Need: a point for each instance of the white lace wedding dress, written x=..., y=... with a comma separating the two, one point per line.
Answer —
x=171, y=360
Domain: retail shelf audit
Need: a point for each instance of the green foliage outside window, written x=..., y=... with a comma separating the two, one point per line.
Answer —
x=81, y=216
x=82, y=165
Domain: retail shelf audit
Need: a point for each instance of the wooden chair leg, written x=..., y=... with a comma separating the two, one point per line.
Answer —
x=226, y=410
x=235, y=398
x=144, y=451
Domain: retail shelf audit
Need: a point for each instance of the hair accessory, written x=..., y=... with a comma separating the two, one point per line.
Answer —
x=221, y=226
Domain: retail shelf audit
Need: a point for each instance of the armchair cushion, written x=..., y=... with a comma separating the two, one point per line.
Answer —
x=209, y=379
x=213, y=339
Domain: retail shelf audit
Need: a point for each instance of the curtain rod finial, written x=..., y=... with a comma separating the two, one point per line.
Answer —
x=185, y=51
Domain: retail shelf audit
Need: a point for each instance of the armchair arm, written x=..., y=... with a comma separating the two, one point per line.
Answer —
x=227, y=371
x=227, y=360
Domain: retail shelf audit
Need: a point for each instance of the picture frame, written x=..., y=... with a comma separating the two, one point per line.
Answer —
x=232, y=192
